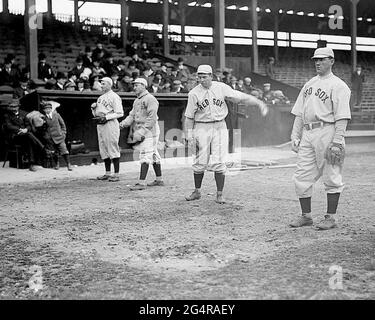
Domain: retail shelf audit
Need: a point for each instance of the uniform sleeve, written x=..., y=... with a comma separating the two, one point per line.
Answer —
x=152, y=112
x=191, y=107
x=298, y=105
x=118, y=111
x=341, y=102
x=127, y=122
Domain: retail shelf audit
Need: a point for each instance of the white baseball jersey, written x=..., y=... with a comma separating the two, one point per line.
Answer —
x=207, y=105
x=109, y=103
x=323, y=99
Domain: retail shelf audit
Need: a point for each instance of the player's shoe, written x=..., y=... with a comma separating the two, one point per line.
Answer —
x=104, y=177
x=138, y=186
x=196, y=195
x=114, y=179
x=302, y=221
x=327, y=223
x=156, y=183
x=220, y=199
x=57, y=166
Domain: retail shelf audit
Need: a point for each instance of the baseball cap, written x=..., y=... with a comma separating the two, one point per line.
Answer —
x=107, y=79
x=204, y=68
x=141, y=81
x=324, y=52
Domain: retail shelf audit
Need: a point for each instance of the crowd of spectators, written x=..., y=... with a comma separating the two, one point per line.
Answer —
x=94, y=63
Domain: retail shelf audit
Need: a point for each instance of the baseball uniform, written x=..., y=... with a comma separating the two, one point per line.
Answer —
x=109, y=105
x=322, y=101
x=208, y=109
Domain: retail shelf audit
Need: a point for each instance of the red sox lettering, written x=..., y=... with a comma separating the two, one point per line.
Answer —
x=321, y=94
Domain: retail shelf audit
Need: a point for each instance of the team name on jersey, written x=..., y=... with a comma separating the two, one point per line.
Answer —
x=105, y=103
x=203, y=104
x=321, y=94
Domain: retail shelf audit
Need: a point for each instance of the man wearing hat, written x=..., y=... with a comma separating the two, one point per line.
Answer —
x=18, y=131
x=106, y=111
x=145, y=131
x=322, y=112
x=55, y=134
x=206, y=130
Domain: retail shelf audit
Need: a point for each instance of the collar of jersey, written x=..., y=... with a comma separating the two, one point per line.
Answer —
x=326, y=76
x=143, y=94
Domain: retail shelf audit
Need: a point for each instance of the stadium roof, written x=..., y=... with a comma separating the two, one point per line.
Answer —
x=365, y=8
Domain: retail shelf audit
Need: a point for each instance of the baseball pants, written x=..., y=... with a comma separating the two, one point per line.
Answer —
x=311, y=164
x=148, y=148
x=108, y=138
x=211, y=146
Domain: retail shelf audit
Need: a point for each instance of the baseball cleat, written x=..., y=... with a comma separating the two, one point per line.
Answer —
x=194, y=196
x=138, y=186
x=114, y=179
x=104, y=177
x=220, y=199
x=156, y=183
x=301, y=221
x=327, y=223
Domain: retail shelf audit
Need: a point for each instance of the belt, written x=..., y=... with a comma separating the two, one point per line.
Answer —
x=314, y=125
x=209, y=121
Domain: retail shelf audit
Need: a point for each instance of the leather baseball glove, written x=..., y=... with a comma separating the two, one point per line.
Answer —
x=335, y=153
x=100, y=120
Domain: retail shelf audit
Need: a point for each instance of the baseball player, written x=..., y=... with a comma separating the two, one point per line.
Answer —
x=322, y=112
x=206, y=130
x=106, y=111
x=143, y=119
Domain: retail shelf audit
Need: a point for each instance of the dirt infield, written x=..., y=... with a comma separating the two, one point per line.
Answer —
x=78, y=238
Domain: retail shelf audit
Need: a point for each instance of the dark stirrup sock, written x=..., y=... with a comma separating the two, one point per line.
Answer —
x=157, y=169
x=305, y=204
x=144, y=170
x=198, y=177
x=220, y=179
x=107, y=163
x=116, y=164
x=332, y=202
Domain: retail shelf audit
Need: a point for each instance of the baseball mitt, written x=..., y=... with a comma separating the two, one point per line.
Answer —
x=335, y=153
x=100, y=120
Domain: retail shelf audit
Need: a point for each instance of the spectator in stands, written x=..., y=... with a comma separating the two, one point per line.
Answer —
x=99, y=53
x=158, y=77
x=183, y=71
x=22, y=89
x=218, y=75
x=174, y=74
x=126, y=84
x=17, y=130
x=358, y=78
x=155, y=88
x=109, y=65
x=44, y=69
x=145, y=52
x=80, y=85
x=191, y=83
x=96, y=85
x=9, y=76
x=270, y=68
x=132, y=68
x=55, y=135
x=71, y=85
x=116, y=83
x=248, y=87
x=147, y=74
x=60, y=81
x=226, y=77
x=133, y=49
x=87, y=58
x=139, y=63
x=279, y=98
x=233, y=83
x=97, y=70
x=177, y=87
x=166, y=87
x=267, y=96
x=240, y=85
x=120, y=69
x=12, y=58
x=164, y=72
x=86, y=86
x=78, y=68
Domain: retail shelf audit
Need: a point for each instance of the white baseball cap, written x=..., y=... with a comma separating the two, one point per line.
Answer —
x=141, y=81
x=324, y=52
x=204, y=68
x=107, y=79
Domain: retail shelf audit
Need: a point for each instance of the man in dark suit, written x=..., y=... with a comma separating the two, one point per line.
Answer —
x=17, y=130
x=9, y=76
x=44, y=69
x=78, y=68
x=55, y=135
x=357, y=86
